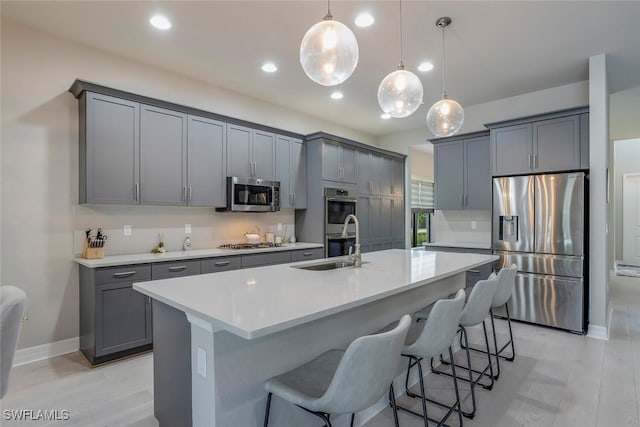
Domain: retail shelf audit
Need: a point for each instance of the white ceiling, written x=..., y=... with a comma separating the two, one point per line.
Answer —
x=494, y=49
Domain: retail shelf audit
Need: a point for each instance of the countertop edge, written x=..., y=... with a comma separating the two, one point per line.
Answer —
x=143, y=258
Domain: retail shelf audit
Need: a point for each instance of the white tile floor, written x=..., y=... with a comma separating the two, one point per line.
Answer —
x=558, y=379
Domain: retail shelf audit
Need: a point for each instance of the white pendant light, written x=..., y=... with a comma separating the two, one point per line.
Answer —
x=446, y=116
x=329, y=51
x=400, y=92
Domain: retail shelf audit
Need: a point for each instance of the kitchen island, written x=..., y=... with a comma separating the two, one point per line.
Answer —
x=246, y=326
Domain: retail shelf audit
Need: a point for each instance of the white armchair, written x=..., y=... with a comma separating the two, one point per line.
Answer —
x=12, y=302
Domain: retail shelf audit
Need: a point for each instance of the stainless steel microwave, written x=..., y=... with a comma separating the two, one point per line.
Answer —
x=252, y=195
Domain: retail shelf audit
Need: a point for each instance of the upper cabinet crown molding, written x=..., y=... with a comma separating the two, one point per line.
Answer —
x=80, y=86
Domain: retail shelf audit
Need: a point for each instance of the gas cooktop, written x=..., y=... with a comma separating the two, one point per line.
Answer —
x=247, y=246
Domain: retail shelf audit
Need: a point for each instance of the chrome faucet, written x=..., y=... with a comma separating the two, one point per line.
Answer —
x=356, y=257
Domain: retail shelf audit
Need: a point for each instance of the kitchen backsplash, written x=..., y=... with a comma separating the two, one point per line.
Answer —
x=468, y=226
x=209, y=229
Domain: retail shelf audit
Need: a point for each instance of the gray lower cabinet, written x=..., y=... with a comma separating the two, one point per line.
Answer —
x=114, y=319
x=547, y=143
x=170, y=269
x=291, y=171
x=163, y=156
x=307, y=254
x=462, y=172
x=214, y=265
x=109, y=150
x=259, y=260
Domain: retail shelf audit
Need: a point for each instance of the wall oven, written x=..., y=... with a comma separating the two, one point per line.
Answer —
x=339, y=204
x=252, y=195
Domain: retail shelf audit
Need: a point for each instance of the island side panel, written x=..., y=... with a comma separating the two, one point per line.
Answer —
x=230, y=393
x=171, y=366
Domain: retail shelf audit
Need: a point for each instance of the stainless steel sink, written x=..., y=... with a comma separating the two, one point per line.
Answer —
x=330, y=265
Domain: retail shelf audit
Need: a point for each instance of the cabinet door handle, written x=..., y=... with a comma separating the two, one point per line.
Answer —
x=535, y=161
x=124, y=274
x=462, y=199
x=178, y=268
x=293, y=199
x=184, y=194
x=473, y=271
x=530, y=161
x=148, y=300
x=189, y=195
x=307, y=253
x=221, y=263
x=137, y=191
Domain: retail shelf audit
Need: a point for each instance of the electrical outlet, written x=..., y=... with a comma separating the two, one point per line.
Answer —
x=474, y=225
x=187, y=228
x=279, y=226
x=127, y=230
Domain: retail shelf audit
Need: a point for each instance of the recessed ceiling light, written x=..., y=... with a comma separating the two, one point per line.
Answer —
x=337, y=95
x=385, y=116
x=425, y=66
x=364, y=20
x=161, y=22
x=269, y=67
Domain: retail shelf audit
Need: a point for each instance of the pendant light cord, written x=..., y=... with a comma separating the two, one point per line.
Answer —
x=444, y=60
x=328, y=16
x=401, y=66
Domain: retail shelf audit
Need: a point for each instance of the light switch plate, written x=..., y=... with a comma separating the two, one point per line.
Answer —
x=187, y=228
x=127, y=230
x=474, y=225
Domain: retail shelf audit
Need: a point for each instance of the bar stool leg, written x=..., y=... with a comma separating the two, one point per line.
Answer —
x=455, y=387
x=495, y=344
x=392, y=399
x=266, y=413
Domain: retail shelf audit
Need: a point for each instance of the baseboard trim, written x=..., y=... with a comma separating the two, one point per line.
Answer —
x=45, y=351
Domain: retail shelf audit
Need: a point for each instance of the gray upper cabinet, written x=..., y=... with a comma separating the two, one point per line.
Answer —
x=239, y=159
x=206, y=169
x=163, y=156
x=511, y=149
x=392, y=176
x=291, y=172
x=557, y=144
x=369, y=172
x=338, y=163
x=250, y=152
x=109, y=150
x=462, y=172
x=548, y=143
x=138, y=150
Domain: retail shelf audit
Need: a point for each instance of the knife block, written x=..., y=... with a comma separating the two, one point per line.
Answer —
x=92, y=253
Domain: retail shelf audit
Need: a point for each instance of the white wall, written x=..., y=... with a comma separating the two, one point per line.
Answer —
x=626, y=160
x=41, y=222
x=420, y=165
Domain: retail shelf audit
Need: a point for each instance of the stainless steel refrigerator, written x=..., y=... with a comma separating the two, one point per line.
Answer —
x=539, y=224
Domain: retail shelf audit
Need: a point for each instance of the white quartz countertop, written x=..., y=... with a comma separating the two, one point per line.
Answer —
x=255, y=302
x=181, y=255
x=470, y=245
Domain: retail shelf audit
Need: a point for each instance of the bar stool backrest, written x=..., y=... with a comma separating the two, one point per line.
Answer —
x=12, y=301
x=366, y=370
x=440, y=328
x=477, y=307
x=507, y=281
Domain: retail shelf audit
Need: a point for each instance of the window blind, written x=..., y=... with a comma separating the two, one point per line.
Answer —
x=421, y=194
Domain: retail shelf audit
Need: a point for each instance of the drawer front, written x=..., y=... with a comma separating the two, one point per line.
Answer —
x=213, y=265
x=478, y=273
x=307, y=254
x=123, y=273
x=166, y=270
x=257, y=260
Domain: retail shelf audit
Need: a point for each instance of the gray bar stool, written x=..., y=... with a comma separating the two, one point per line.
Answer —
x=436, y=338
x=506, y=283
x=474, y=313
x=344, y=382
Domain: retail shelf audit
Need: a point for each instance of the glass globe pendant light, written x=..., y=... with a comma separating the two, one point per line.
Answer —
x=446, y=116
x=400, y=92
x=329, y=51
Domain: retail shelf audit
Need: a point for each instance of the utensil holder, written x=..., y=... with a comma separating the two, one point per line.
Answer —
x=92, y=253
